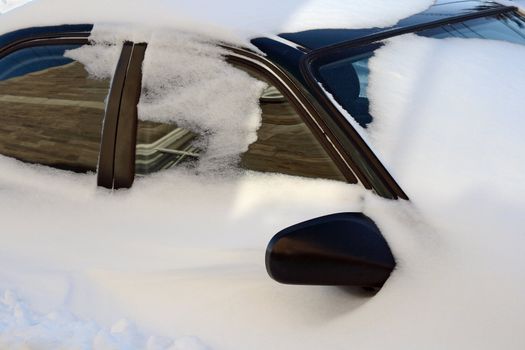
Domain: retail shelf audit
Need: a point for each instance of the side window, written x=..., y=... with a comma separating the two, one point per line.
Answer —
x=284, y=144
x=348, y=84
x=51, y=111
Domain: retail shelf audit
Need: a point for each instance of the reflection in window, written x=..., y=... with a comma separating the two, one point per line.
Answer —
x=285, y=144
x=51, y=111
x=346, y=78
x=348, y=84
x=162, y=146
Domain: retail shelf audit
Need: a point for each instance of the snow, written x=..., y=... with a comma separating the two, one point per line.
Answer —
x=229, y=20
x=99, y=59
x=178, y=254
x=23, y=328
x=8, y=5
x=437, y=134
x=186, y=81
x=449, y=124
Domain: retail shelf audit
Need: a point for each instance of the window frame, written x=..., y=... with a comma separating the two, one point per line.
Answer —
x=303, y=105
x=117, y=152
x=106, y=160
x=127, y=123
x=41, y=39
x=334, y=135
x=311, y=61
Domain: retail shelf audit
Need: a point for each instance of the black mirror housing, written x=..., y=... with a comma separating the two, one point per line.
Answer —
x=345, y=249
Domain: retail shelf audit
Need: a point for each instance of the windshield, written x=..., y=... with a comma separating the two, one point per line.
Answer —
x=345, y=77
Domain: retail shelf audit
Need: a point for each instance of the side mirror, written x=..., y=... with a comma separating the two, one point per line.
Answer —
x=344, y=249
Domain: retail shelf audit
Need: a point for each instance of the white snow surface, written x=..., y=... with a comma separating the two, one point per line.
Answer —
x=178, y=255
x=450, y=112
x=231, y=20
x=8, y=5
x=449, y=125
x=23, y=328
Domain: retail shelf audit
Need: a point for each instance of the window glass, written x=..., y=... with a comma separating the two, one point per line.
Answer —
x=51, y=111
x=348, y=82
x=284, y=144
x=346, y=78
x=162, y=146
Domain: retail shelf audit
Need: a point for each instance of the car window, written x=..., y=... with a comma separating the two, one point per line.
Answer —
x=51, y=110
x=284, y=144
x=346, y=76
x=162, y=146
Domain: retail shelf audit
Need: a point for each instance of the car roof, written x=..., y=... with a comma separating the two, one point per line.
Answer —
x=288, y=49
x=442, y=9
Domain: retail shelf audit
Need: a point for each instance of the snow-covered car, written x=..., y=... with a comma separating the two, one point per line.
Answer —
x=281, y=123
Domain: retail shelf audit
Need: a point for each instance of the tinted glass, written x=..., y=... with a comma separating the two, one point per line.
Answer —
x=51, y=111
x=285, y=144
x=162, y=146
x=346, y=76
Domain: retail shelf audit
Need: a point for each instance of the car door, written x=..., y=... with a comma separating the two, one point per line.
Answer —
x=203, y=114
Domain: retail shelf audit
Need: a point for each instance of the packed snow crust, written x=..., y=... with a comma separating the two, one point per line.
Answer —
x=228, y=20
x=449, y=125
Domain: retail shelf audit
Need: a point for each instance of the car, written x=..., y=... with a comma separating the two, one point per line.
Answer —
x=72, y=101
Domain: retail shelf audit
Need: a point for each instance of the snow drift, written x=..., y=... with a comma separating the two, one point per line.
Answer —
x=179, y=254
x=464, y=129
x=449, y=125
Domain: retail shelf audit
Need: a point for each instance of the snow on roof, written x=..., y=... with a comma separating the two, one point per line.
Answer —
x=226, y=19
